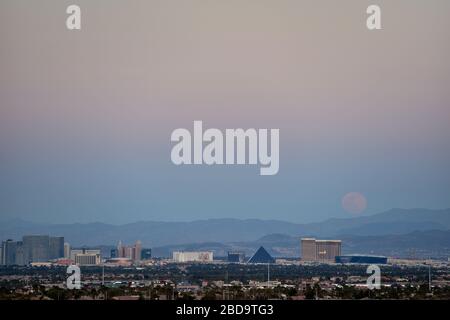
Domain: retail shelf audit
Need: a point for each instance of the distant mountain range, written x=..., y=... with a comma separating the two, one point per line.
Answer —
x=399, y=227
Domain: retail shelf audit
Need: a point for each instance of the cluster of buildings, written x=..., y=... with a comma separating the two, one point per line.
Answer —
x=329, y=251
x=312, y=250
x=128, y=255
x=31, y=249
x=122, y=255
x=43, y=248
x=260, y=256
x=128, y=252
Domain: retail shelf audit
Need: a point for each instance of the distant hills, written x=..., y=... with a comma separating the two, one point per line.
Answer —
x=396, y=228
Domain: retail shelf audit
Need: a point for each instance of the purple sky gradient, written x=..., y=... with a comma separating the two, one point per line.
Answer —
x=86, y=116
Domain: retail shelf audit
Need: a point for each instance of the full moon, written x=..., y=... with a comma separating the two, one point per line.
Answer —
x=354, y=202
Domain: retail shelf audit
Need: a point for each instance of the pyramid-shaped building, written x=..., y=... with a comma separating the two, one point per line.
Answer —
x=261, y=256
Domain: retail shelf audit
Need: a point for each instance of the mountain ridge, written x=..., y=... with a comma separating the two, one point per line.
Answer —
x=225, y=230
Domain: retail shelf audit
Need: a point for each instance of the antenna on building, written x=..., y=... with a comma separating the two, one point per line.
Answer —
x=429, y=277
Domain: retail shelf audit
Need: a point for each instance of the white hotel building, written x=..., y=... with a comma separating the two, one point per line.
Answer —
x=192, y=256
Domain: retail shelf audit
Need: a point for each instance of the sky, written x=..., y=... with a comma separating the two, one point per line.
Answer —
x=86, y=116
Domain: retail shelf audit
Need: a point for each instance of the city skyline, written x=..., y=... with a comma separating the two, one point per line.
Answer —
x=224, y=158
x=393, y=223
x=404, y=233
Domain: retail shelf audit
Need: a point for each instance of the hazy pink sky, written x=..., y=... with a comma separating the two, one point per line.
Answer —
x=86, y=116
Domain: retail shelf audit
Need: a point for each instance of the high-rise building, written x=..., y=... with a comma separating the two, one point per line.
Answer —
x=37, y=248
x=87, y=259
x=146, y=254
x=192, y=256
x=3, y=253
x=236, y=257
x=12, y=253
x=328, y=250
x=137, y=254
x=320, y=250
x=56, y=247
x=32, y=248
x=133, y=253
x=75, y=252
x=20, y=254
x=66, y=250
x=42, y=248
x=308, y=249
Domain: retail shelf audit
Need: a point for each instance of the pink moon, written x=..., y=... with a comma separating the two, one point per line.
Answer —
x=354, y=202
